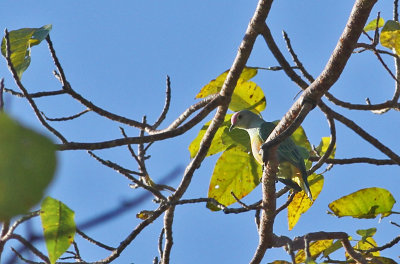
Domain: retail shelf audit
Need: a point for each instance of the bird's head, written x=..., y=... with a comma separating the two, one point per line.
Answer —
x=245, y=119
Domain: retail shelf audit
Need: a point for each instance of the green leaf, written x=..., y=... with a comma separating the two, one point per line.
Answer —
x=27, y=162
x=300, y=139
x=21, y=41
x=335, y=246
x=364, y=233
x=215, y=85
x=217, y=144
x=390, y=35
x=316, y=248
x=323, y=147
x=58, y=227
x=372, y=25
x=365, y=203
x=301, y=203
x=235, y=171
x=247, y=94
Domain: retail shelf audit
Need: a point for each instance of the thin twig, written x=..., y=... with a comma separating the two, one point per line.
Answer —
x=67, y=118
x=93, y=241
x=160, y=242
x=286, y=204
x=32, y=248
x=34, y=95
x=169, y=241
x=330, y=148
x=166, y=104
x=1, y=94
x=145, y=139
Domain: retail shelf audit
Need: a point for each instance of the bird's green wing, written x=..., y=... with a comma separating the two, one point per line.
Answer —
x=266, y=129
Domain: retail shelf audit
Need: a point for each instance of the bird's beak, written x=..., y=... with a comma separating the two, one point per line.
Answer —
x=231, y=127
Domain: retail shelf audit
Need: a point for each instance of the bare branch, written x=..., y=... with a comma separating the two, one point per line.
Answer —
x=166, y=105
x=1, y=94
x=145, y=139
x=95, y=242
x=66, y=118
x=330, y=148
x=169, y=241
x=28, y=245
x=34, y=95
x=357, y=160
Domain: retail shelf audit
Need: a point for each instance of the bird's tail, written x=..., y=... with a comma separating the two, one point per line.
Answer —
x=304, y=182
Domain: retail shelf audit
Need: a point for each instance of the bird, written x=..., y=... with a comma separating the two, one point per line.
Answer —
x=288, y=151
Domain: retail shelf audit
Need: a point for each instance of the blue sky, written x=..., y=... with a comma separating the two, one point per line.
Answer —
x=118, y=53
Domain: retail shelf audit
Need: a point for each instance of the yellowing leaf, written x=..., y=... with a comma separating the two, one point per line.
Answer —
x=235, y=171
x=368, y=243
x=323, y=147
x=217, y=145
x=27, y=166
x=301, y=203
x=248, y=95
x=366, y=232
x=215, y=85
x=390, y=35
x=365, y=203
x=21, y=41
x=58, y=227
x=300, y=138
x=316, y=248
x=335, y=246
x=372, y=25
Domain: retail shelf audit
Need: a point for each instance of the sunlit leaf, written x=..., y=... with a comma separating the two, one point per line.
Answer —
x=215, y=85
x=364, y=233
x=217, y=145
x=27, y=162
x=235, y=171
x=372, y=25
x=21, y=41
x=323, y=147
x=368, y=243
x=248, y=95
x=365, y=203
x=316, y=248
x=301, y=203
x=390, y=35
x=280, y=262
x=335, y=246
x=58, y=227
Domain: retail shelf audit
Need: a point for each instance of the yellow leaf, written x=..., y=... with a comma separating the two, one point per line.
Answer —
x=217, y=144
x=364, y=203
x=323, y=147
x=248, y=95
x=235, y=171
x=301, y=203
x=390, y=35
x=316, y=248
x=215, y=85
x=368, y=243
x=372, y=25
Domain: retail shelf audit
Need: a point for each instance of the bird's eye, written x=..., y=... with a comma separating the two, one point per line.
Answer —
x=239, y=116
